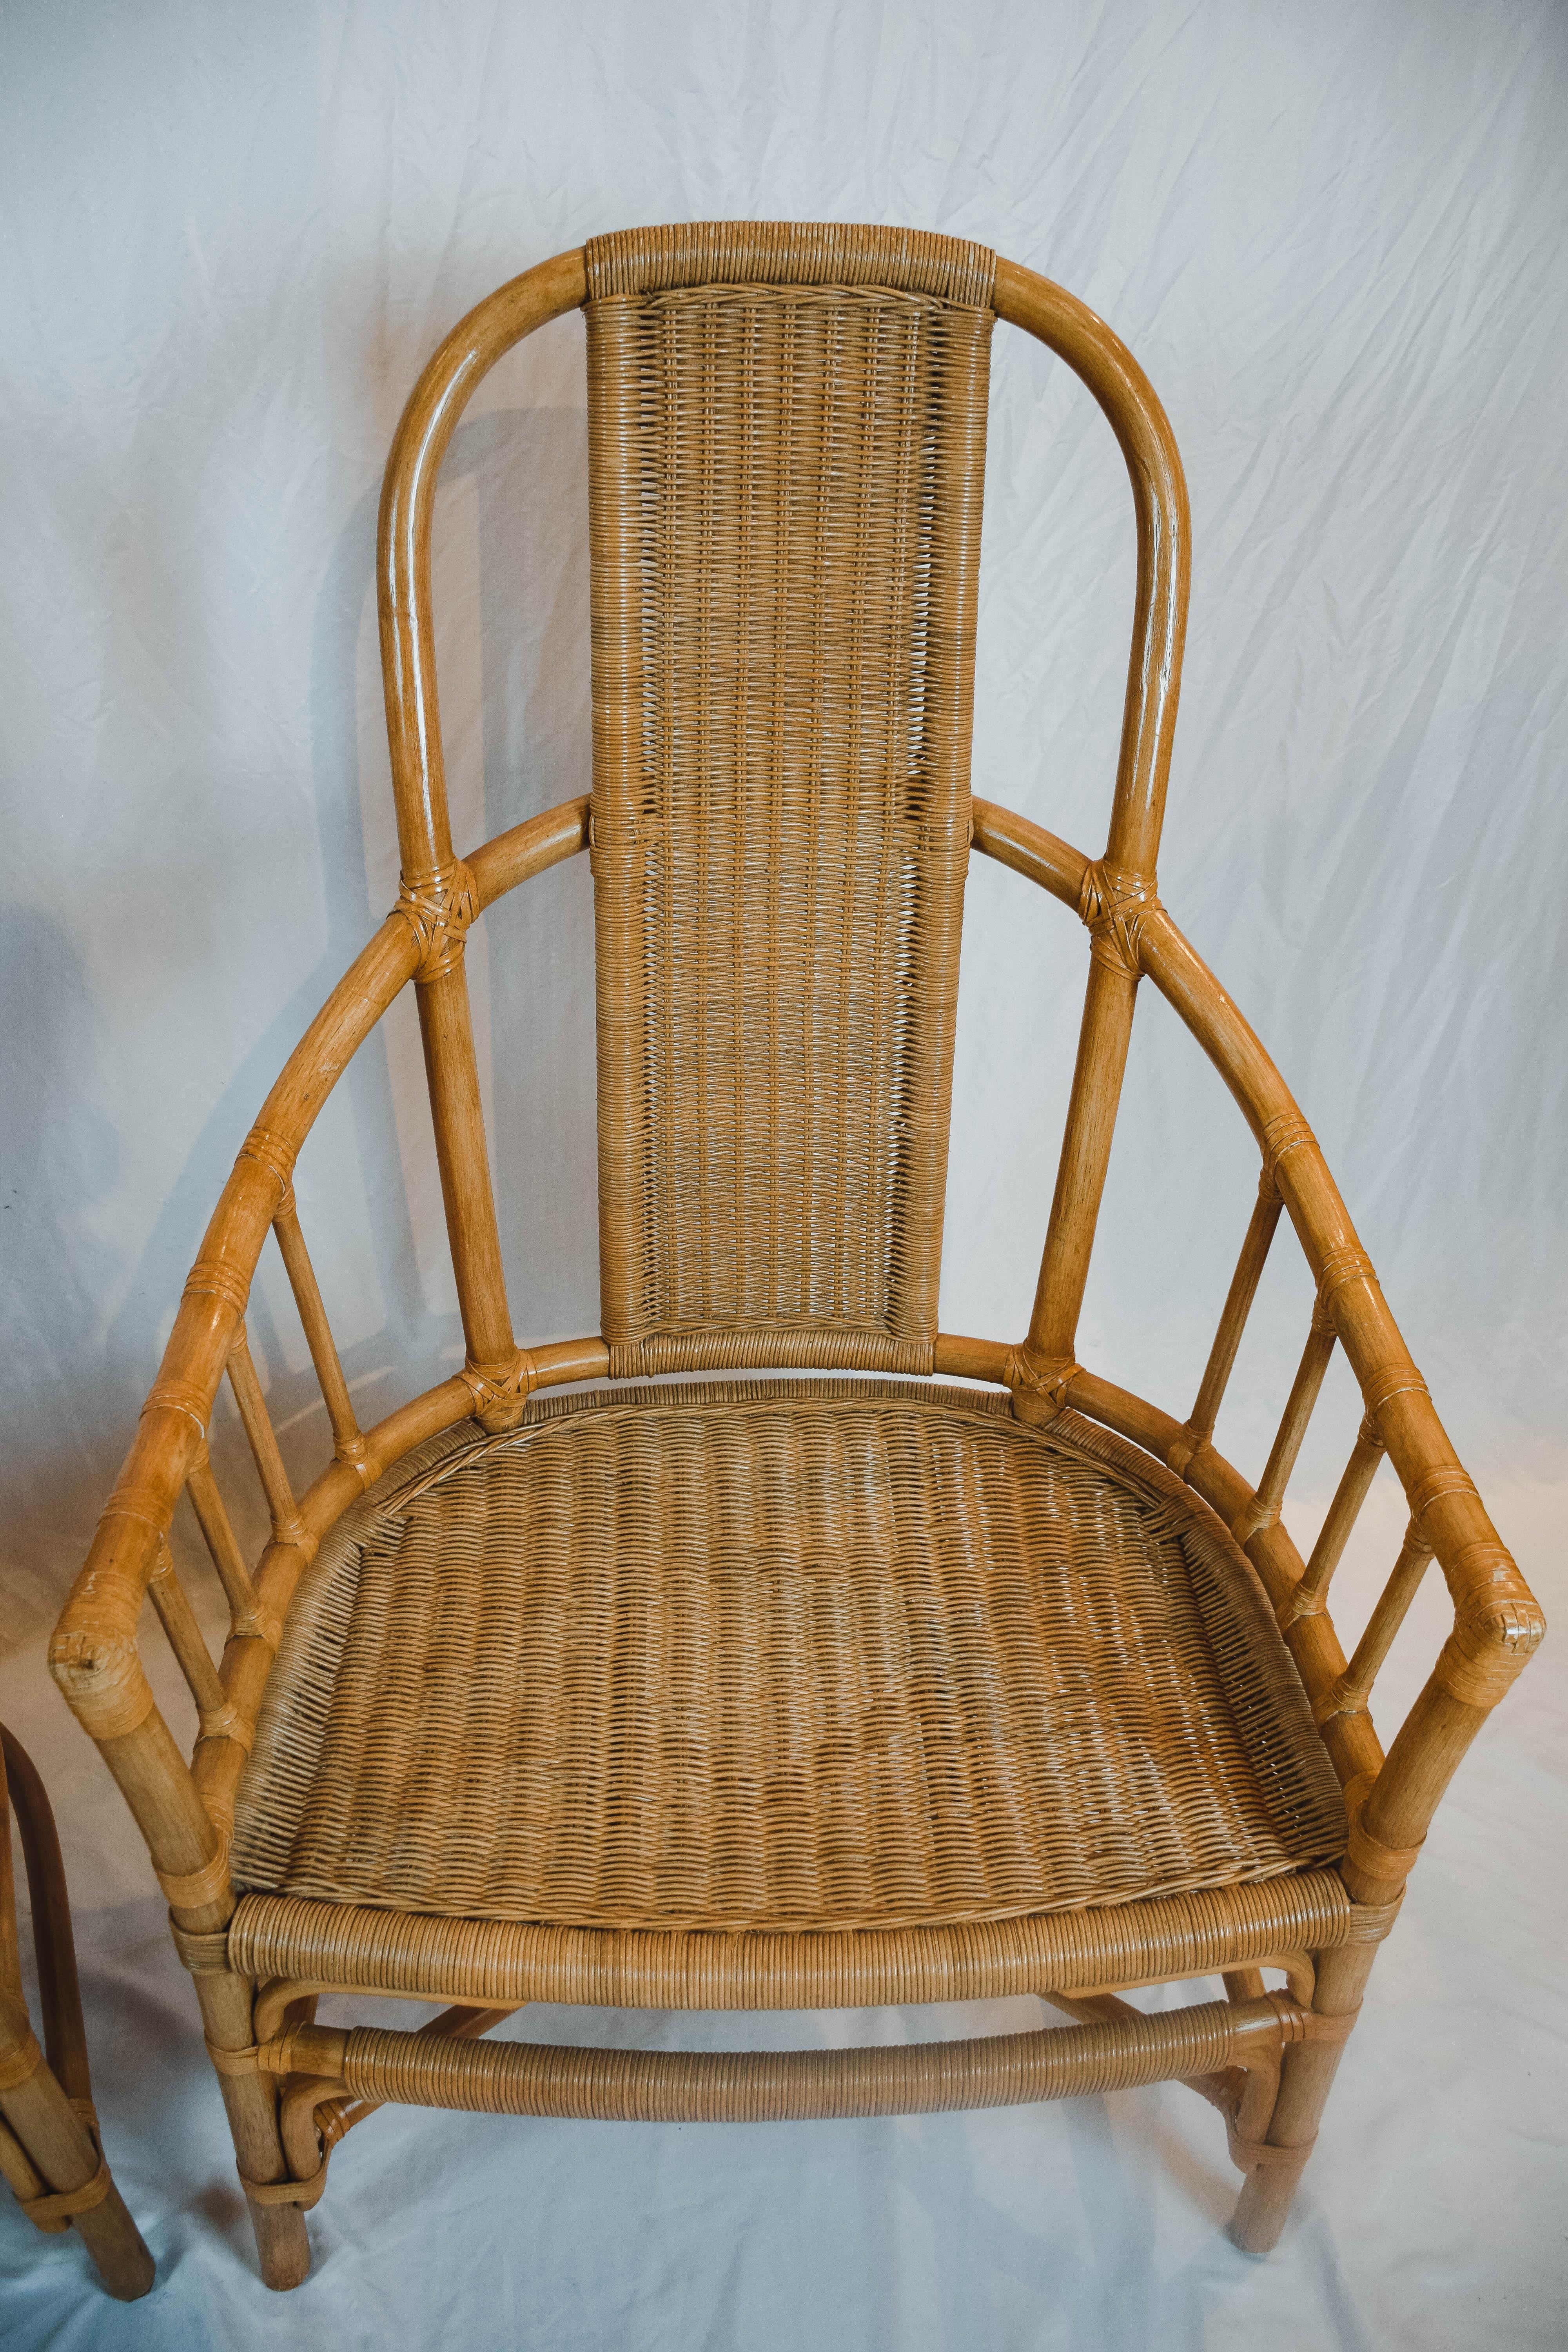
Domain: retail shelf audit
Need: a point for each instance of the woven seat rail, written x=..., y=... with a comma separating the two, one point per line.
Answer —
x=355, y=1948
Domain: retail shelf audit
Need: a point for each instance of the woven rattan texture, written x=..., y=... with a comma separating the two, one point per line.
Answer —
x=789, y=253
x=512, y=2078
x=502, y=1961
x=788, y=1655
x=786, y=486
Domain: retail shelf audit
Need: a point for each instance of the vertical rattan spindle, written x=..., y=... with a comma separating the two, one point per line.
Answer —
x=1308, y=1599
x=1249, y=1265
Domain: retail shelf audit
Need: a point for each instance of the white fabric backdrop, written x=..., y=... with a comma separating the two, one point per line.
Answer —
x=1334, y=236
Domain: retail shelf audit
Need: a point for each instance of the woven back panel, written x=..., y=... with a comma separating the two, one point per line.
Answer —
x=786, y=450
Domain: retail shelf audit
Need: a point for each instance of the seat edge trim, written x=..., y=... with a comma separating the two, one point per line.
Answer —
x=501, y=1961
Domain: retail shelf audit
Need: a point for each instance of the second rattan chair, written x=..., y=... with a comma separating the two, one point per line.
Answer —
x=50, y=2148
x=803, y=1682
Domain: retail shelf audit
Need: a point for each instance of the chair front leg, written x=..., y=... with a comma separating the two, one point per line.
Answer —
x=282, y=2241
x=1274, y=2165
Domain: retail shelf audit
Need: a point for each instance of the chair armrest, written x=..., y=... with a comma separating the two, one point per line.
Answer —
x=1497, y=1623
x=95, y=1653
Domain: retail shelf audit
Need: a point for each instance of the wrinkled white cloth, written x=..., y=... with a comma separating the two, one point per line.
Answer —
x=1334, y=238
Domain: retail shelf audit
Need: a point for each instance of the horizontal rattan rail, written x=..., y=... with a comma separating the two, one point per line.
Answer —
x=334, y=1947
x=890, y=321
x=522, y=2078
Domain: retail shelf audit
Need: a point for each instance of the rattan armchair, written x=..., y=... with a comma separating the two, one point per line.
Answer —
x=803, y=1683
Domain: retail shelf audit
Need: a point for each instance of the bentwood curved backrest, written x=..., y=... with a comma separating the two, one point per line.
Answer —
x=786, y=447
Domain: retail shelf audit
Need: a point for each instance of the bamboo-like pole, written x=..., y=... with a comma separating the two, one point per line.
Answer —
x=1343, y=1512
x=24, y=2181
x=1263, y=1509
x=1255, y=1247
x=347, y=1443
x=221, y=1543
x=1307, y=2072
x=1349, y=1694
x=250, y=2099
x=403, y=559
x=446, y=1032
x=1102, y=1046
x=46, y=2121
x=59, y=2150
x=1105, y=365
x=54, y=1947
x=263, y=1439
x=217, y=1718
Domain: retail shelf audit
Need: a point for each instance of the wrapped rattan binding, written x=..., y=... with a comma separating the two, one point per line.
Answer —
x=787, y=2085
x=786, y=451
x=790, y=253
x=495, y=1961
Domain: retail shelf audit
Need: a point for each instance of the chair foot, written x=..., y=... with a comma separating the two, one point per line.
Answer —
x=283, y=2242
x=116, y=2245
x=1265, y=2202
x=282, y=2245
x=1272, y=2162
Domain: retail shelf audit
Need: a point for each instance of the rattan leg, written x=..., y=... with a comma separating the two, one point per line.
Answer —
x=1273, y=2167
x=52, y=2157
x=58, y=2144
x=282, y=2241
x=54, y=1947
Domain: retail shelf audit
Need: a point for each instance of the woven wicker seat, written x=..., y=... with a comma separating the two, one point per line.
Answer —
x=800, y=1682
x=775, y=1679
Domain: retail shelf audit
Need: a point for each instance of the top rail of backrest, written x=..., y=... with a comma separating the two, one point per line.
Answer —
x=1020, y=296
